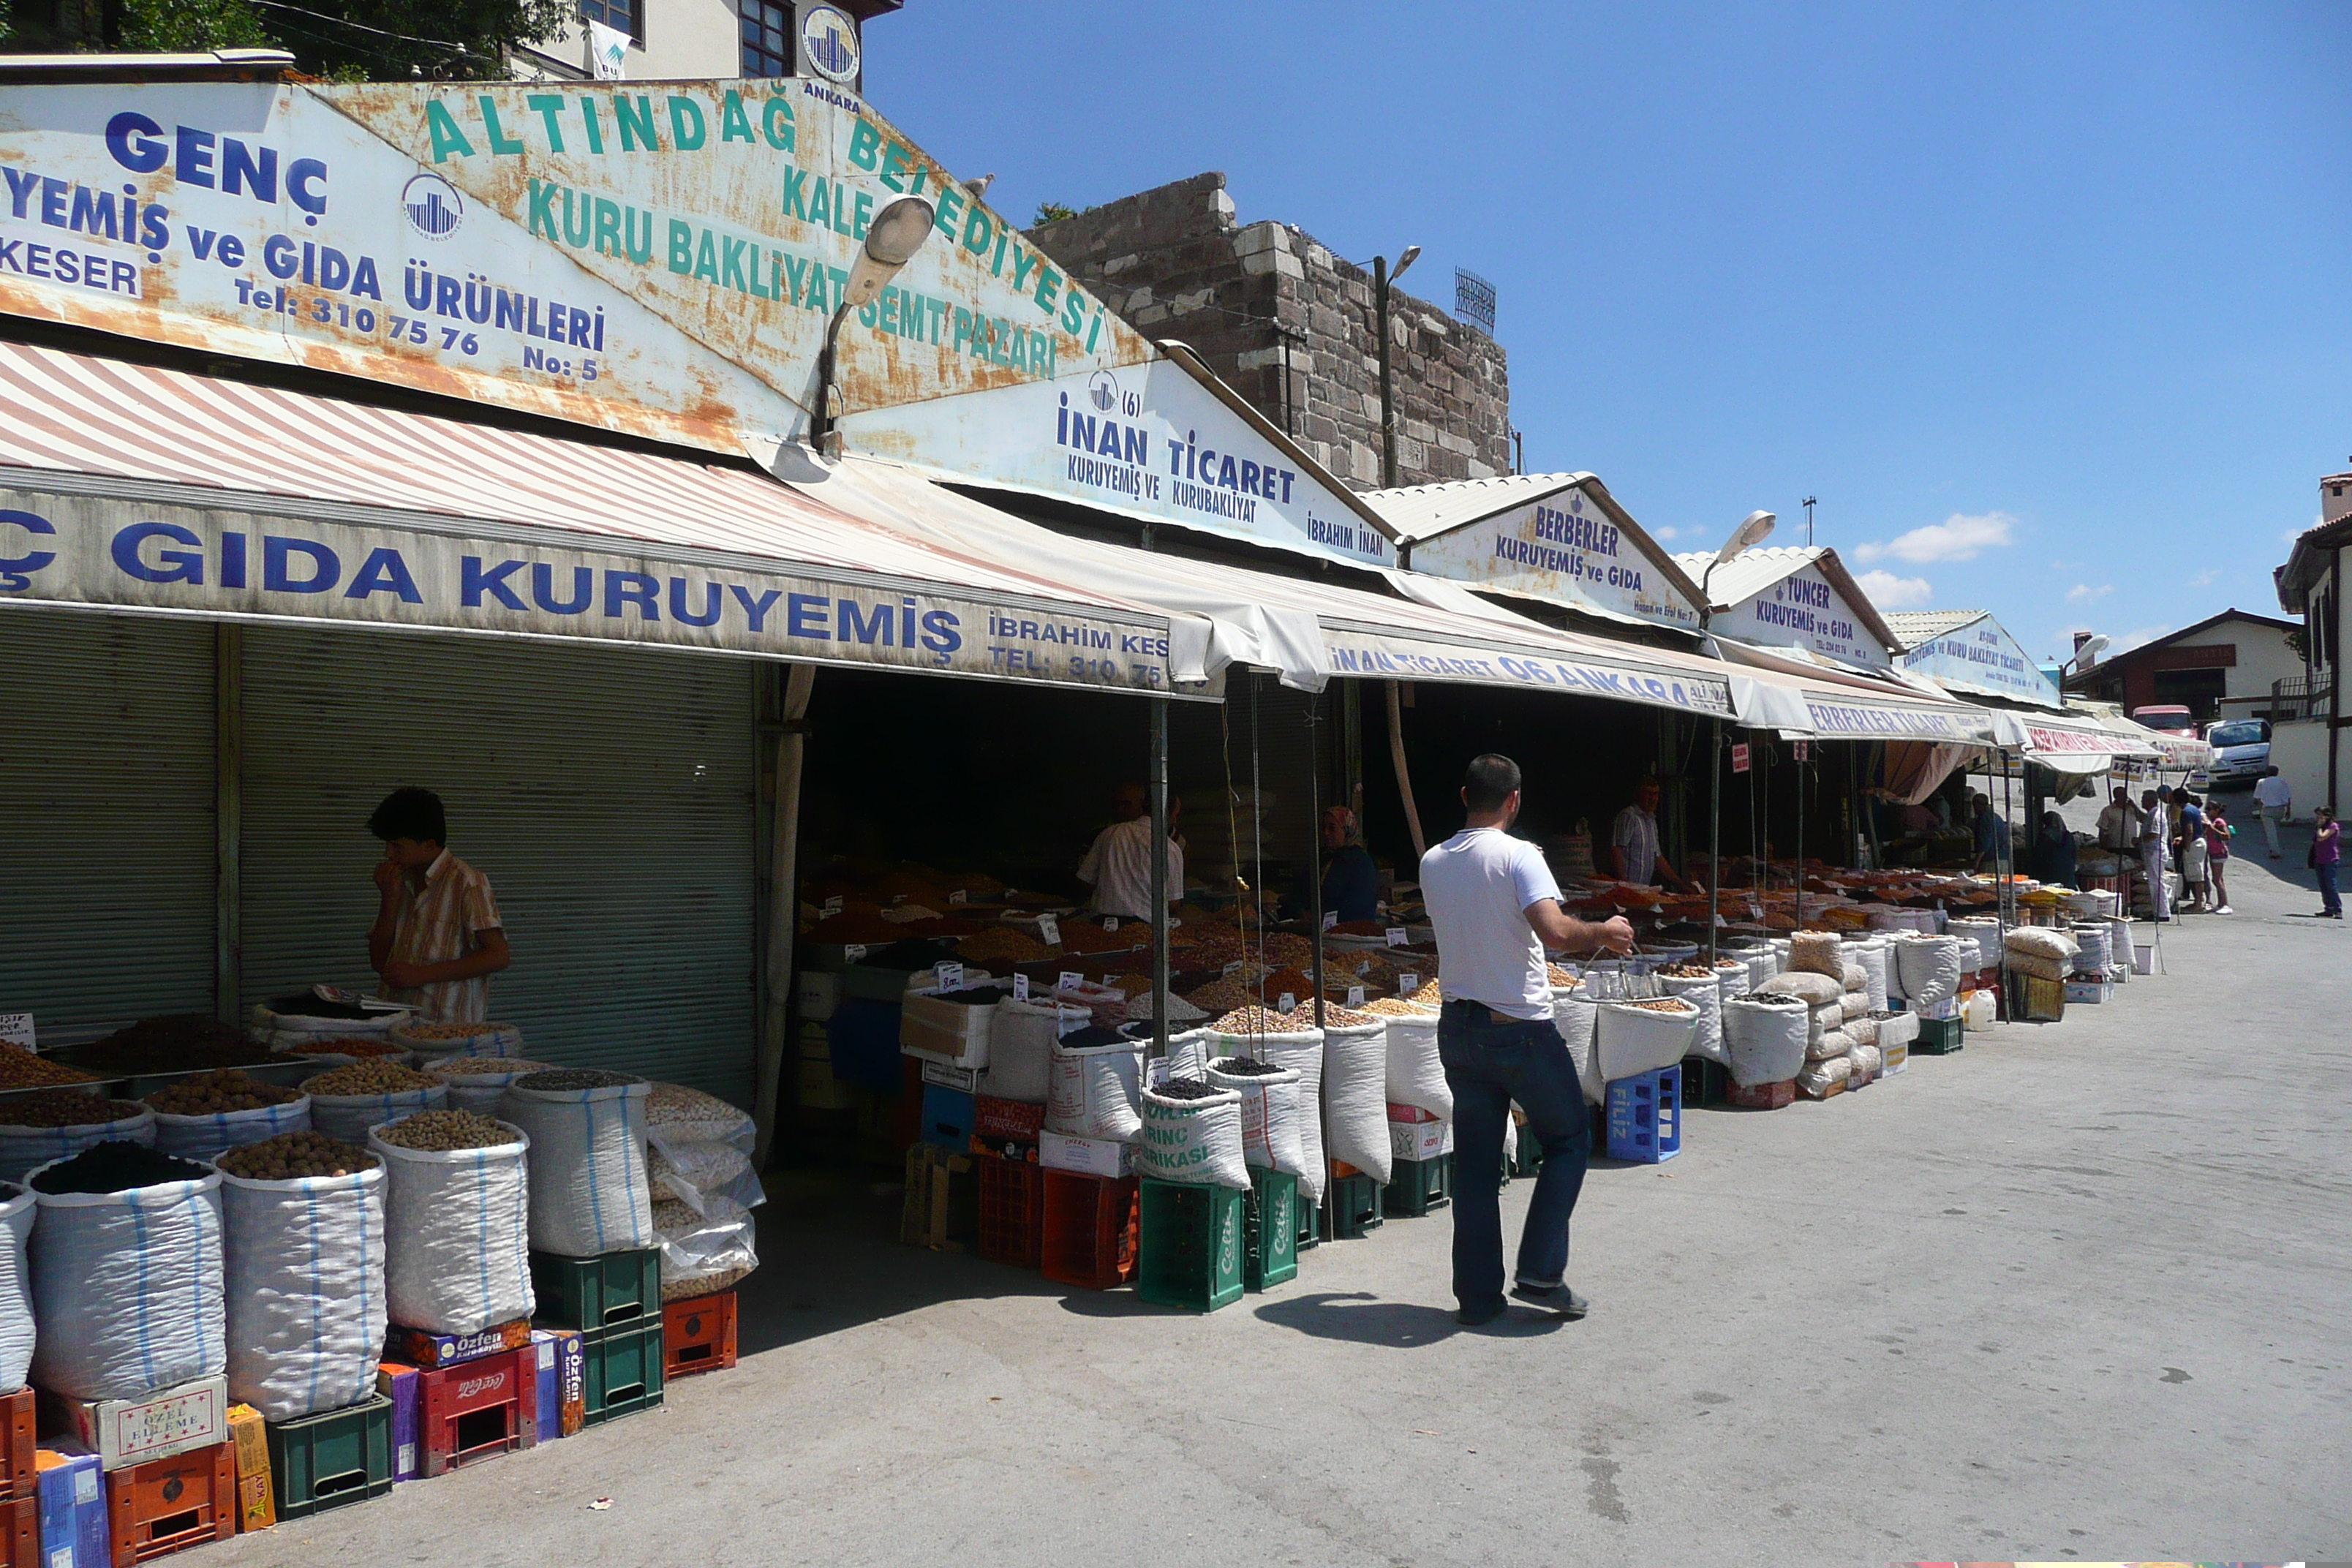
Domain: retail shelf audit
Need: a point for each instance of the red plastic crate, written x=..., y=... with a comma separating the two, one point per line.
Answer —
x=478, y=1409
x=18, y=1477
x=1089, y=1236
x=1763, y=1096
x=699, y=1335
x=20, y=1533
x=168, y=1505
x=1012, y=1211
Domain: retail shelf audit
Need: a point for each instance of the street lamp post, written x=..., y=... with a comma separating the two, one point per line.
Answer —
x=1381, y=278
x=897, y=232
x=1752, y=530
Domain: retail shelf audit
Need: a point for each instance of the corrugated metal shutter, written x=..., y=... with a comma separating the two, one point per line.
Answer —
x=607, y=793
x=106, y=793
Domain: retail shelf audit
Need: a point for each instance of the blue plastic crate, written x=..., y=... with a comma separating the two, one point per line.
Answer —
x=949, y=1117
x=1645, y=1116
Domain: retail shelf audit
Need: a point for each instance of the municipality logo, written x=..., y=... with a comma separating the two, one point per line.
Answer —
x=829, y=39
x=1576, y=502
x=434, y=207
x=1102, y=390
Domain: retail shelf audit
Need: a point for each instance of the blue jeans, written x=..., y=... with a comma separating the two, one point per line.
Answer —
x=2329, y=899
x=1489, y=1065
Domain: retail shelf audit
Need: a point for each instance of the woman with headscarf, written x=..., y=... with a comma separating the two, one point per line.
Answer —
x=1352, y=883
x=2054, y=851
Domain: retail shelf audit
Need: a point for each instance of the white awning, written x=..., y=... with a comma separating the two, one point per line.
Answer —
x=130, y=488
x=1835, y=704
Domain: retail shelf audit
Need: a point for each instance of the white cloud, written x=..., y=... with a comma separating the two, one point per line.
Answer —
x=2081, y=592
x=1889, y=591
x=1959, y=537
x=2126, y=641
x=2207, y=578
x=1664, y=533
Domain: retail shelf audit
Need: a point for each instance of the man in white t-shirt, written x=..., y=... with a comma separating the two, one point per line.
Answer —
x=1496, y=910
x=1118, y=866
x=2274, y=800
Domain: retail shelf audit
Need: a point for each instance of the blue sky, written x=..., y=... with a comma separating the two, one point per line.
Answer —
x=2063, y=287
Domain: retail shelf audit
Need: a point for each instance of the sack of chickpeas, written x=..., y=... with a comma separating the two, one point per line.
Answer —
x=303, y=1246
x=457, y=1211
x=590, y=1191
x=348, y=1100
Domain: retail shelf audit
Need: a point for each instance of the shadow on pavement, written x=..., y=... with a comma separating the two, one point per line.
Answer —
x=1361, y=1318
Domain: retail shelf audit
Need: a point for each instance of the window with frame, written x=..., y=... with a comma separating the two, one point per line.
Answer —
x=767, y=30
x=621, y=16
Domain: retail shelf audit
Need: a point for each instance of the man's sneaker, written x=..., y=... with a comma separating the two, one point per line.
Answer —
x=1471, y=1317
x=1556, y=1299
x=2225, y=910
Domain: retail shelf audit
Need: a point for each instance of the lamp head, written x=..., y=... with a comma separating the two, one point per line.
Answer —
x=2092, y=647
x=897, y=232
x=1753, y=530
x=1412, y=254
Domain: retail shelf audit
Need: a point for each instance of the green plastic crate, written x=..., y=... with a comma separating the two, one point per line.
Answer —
x=1705, y=1081
x=1271, y=1244
x=1419, y=1187
x=592, y=1293
x=623, y=1368
x=324, y=1461
x=1351, y=1207
x=1191, y=1246
x=1938, y=1037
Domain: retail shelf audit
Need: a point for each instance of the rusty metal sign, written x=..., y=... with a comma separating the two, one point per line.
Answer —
x=1564, y=547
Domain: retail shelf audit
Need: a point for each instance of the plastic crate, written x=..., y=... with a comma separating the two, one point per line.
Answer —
x=699, y=1335
x=942, y=1206
x=169, y=1505
x=1763, y=1096
x=478, y=1410
x=330, y=1459
x=592, y=1293
x=18, y=1476
x=1351, y=1207
x=1705, y=1081
x=20, y=1532
x=1270, y=1234
x=1188, y=1250
x=1645, y=1117
x=1090, y=1236
x=624, y=1368
x=1938, y=1037
x=949, y=1116
x=1310, y=1225
x=1418, y=1188
x=1012, y=1211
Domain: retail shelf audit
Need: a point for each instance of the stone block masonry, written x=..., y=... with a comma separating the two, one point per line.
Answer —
x=1292, y=327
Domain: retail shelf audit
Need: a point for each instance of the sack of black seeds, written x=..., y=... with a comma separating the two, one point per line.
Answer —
x=590, y=1191
x=1192, y=1133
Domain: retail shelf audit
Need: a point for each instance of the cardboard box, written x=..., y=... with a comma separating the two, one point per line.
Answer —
x=1420, y=1139
x=423, y=1349
x=1088, y=1156
x=562, y=1394
x=71, y=1490
x=2093, y=992
x=125, y=1431
x=398, y=1382
x=256, y=1508
x=1410, y=1114
x=944, y=1075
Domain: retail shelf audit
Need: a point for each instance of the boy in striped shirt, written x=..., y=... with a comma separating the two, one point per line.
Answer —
x=437, y=938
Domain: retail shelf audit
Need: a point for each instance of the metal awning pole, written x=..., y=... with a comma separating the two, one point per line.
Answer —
x=1158, y=792
x=783, y=902
x=1714, y=833
x=1315, y=847
x=1800, y=748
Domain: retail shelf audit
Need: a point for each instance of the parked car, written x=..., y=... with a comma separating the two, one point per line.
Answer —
x=2242, y=754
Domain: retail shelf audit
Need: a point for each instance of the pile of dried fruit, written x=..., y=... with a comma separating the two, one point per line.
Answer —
x=178, y=1042
x=1334, y=1016
x=117, y=1165
x=292, y=1156
x=369, y=1077
x=23, y=1069
x=1396, y=1008
x=451, y=1031
x=568, y=1079
x=1429, y=995
x=1188, y=1089
x=1663, y=1005
x=348, y=1046
x=1256, y=1021
x=64, y=1108
x=207, y=1094
x=484, y=1066
x=441, y=1130
x=673, y=1102
x=1002, y=944
x=1221, y=995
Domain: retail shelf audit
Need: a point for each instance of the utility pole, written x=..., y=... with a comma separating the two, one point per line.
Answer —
x=1809, y=522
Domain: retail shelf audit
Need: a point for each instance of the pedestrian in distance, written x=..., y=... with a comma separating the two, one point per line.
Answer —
x=2196, y=857
x=2217, y=833
x=1494, y=908
x=2274, y=803
x=2155, y=866
x=2327, y=853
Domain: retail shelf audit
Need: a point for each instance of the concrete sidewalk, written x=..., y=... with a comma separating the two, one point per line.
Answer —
x=2080, y=1290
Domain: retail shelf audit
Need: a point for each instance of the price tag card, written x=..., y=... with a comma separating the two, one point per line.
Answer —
x=1408, y=983
x=1739, y=757
x=1070, y=980
x=950, y=976
x=1290, y=1002
x=16, y=1029
x=1110, y=980
x=961, y=896
x=1804, y=751
x=1020, y=988
x=1155, y=1071
x=854, y=952
x=1049, y=930
x=1234, y=967
x=1110, y=922
x=1396, y=936
x=832, y=905
x=1355, y=996
x=1330, y=919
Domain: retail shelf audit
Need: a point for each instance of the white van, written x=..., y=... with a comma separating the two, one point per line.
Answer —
x=2242, y=753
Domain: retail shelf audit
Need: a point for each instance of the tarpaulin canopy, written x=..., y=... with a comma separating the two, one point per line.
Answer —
x=1801, y=695
x=127, y=486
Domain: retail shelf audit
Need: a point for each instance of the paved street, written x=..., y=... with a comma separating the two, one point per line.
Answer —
x=2082, y=1290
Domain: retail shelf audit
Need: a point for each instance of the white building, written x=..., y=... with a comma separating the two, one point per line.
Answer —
x=2311, y=710
x=669, y=40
